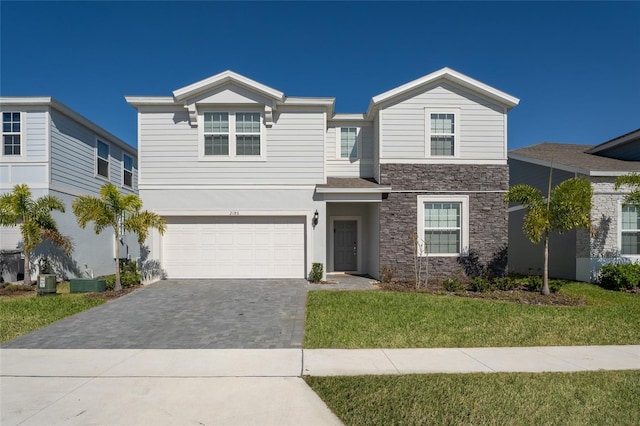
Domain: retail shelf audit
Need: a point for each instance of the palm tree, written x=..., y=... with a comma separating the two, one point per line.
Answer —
x=35, y=220
x=567, y=207
x=633, y=180
x=120, y=212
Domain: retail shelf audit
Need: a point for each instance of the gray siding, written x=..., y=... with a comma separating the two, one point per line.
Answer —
x=535, y=175
x=360, y=167
x=21, y=169
x=36, y=141
x=480, y=123
x=73, y=157
x=376, y=148
x=528, y=258
x=169, y=147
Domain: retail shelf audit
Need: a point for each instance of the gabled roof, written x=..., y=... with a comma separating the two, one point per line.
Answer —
x=449, y=75
x=573, y=158
x=47, y=101
x=632, y=136
x=224, y=78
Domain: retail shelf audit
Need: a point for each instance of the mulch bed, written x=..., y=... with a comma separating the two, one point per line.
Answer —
x=514, y=296
x=14, y=291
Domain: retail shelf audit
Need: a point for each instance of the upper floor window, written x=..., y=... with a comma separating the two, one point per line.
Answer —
x=102, y=159
x=630, y=230
x=443, y=224
x=443, y=134
x=127, y=170
x=11, y=133
x=348, y=142
x=228, y=134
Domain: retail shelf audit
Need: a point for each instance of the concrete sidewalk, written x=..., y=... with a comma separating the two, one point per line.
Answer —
x=237, y=386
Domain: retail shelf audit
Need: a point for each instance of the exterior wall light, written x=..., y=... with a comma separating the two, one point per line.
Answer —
x=314, y=221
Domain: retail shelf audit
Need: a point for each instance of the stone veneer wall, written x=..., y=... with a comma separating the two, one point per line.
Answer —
x=488, y=219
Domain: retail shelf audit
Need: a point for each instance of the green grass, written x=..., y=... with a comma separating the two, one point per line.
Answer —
x=583, y=398
x=25, y=313
x=374, y=319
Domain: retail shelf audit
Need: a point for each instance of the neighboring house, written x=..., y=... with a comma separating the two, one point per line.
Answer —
x=615, y=226
x=254, y=183
x=56, y=151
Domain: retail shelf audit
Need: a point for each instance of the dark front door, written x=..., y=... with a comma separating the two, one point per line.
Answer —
x=345, y=245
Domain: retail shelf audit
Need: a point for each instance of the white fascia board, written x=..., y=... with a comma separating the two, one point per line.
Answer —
x=378, y=190
x=136, y=101
x=349, y=117
x=50, y=102
x=453, y=76
x=326, y=103
x=222, y=78
x=571, y=169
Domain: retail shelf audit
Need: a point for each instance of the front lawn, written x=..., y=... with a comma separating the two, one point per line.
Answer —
x=21, y=314
x=377, y=319
x=582, y=398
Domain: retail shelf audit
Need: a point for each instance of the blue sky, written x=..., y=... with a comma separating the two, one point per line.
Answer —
x=575, y=66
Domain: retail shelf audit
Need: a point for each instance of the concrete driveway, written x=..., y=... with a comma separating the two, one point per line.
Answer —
x=185, y=314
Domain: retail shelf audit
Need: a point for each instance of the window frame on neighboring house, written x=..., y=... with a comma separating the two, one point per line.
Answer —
x=622, y=230
x=12, y=134
x=462, y=227
x=100, y=158
x=235, y=133
x=431, y=134
x=127, y=172
x=354, y=152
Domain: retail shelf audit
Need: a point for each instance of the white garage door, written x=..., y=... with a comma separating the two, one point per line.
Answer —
x=234, y=247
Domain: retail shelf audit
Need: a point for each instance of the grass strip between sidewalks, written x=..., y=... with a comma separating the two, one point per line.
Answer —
x=581, y=398
x=380, y=319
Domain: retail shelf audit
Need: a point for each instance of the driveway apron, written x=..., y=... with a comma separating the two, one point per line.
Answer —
x=185, y=314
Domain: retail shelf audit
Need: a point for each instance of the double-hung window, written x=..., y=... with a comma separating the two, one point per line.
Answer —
x=127, y=170
x=232, y=134
x=216, y=133
x=11, y=133
x=102, y=159
x=630, y=230
x=247, y=133
x=442, y=134
x=348, y=142
x=443, y=224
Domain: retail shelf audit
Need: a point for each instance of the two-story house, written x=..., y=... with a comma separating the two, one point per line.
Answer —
x=57, y=151
x=254, y=183
x=615, y=226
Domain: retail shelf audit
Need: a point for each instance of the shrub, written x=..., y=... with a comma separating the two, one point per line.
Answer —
x=316, y=272
x=481, y=284
x=387, y=273
x=129, y=275
x=505, y=284
x=533, y=283
x=620, y=276
x=453, y=285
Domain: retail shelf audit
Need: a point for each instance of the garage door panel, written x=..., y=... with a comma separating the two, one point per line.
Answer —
x=239, y=247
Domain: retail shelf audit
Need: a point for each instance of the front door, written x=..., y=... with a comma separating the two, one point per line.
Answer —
x=345, y=245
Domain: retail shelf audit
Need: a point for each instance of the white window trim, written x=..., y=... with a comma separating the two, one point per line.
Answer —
x=232, y=136
x=96, y=174
x=339, y=143
x=427, y=127
x=124, y=170
x=635, y=257
x=464, y=225
x=21, y=133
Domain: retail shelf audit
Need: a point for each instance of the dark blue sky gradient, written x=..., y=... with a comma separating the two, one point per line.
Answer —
x=575, y=66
